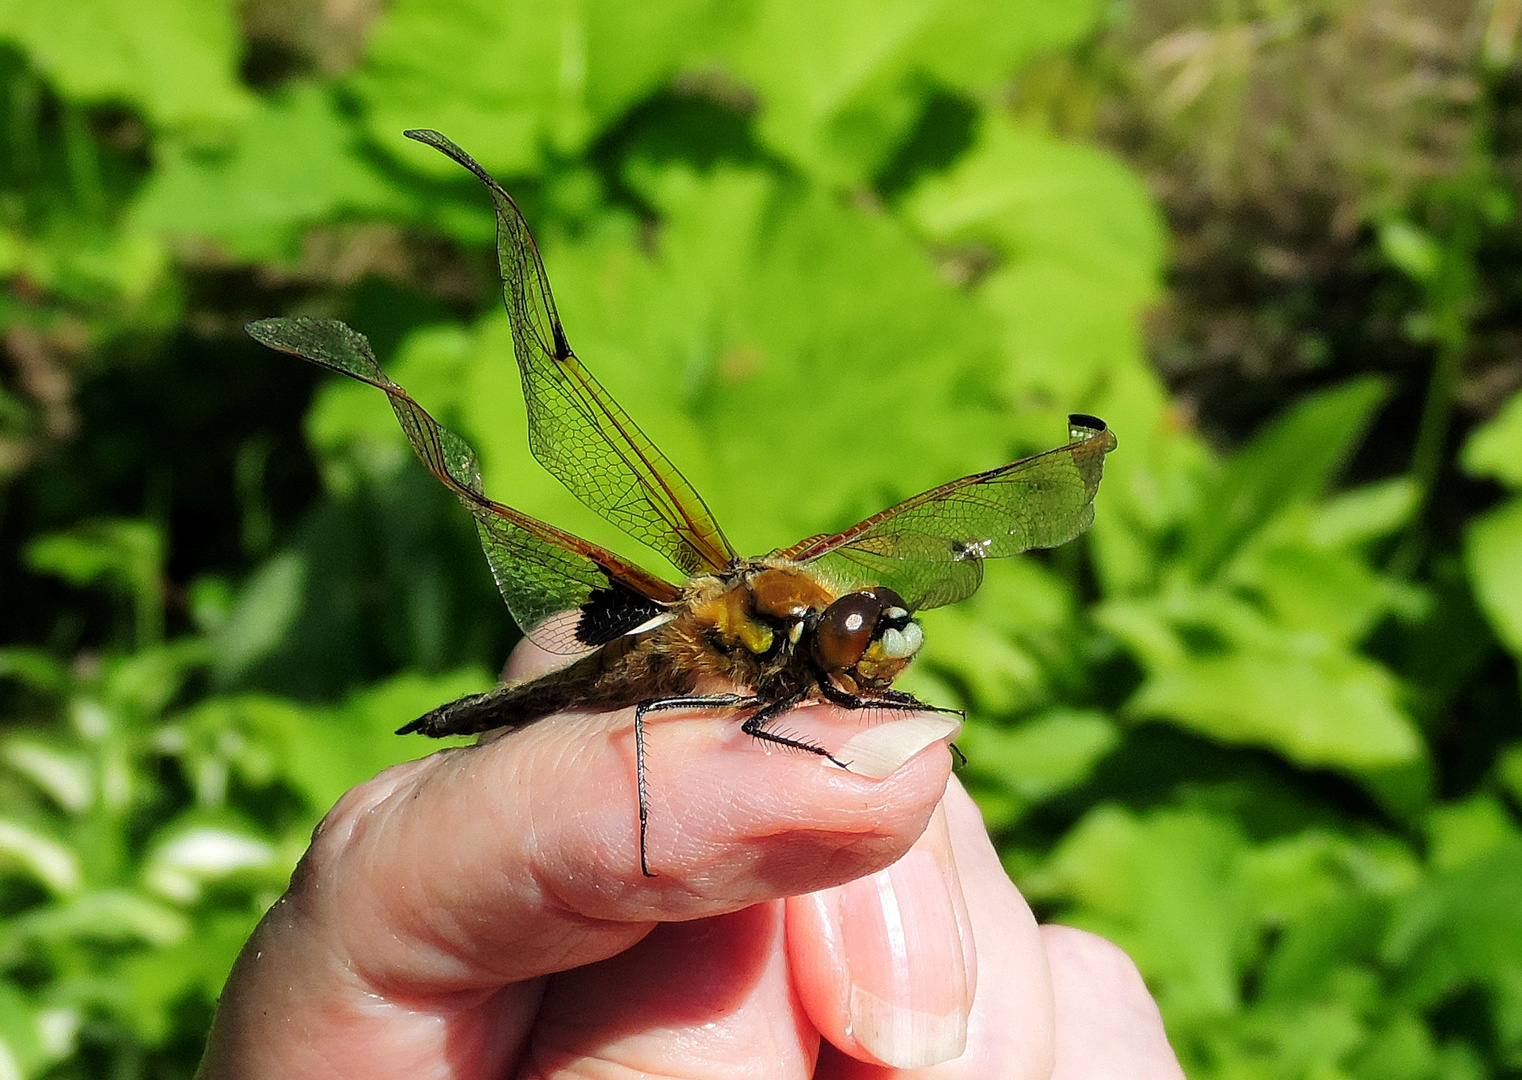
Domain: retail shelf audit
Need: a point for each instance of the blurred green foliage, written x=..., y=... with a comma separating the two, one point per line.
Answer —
x=1260, y=728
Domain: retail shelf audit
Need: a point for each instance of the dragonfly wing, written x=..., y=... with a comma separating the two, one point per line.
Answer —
x=576, y=429
x=930, y=548
x=541, y=571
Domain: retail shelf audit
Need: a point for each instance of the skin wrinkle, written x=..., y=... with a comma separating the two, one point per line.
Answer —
x=337, y=842
x=572, y=758
x=787, y=819
x=390, y=809
x=729, y=1015
x=370, y=836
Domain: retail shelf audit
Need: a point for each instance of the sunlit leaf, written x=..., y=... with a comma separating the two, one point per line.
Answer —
x=63, y=775
x=1365, y=513
x=510, y=82
x=1252, y=681
x=190, y=854
x=1413, y=250
x=1042, y=756
x=1493, y=553
x=1293, y=459
x=23, y=1052
x=842, y=84
x=294, y=163
x=1495, y=449
x=1465, y=928
x=324, y=752
x=1167, y=888
x=114, y=915
x=176, y=60
x=45, y=858
x=1318, y=707
x=1462, y=831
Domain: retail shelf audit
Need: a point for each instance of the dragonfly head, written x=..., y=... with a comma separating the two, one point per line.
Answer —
x=869, y=635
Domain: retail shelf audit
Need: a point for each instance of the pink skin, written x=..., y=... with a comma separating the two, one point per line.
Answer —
x=480, y=914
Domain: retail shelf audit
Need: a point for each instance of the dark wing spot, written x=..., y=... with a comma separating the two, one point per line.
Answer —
x=611, y=613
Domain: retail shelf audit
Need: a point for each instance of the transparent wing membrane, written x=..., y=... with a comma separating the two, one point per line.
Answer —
x=930, y=548
x=576, y=430
x=541, y=571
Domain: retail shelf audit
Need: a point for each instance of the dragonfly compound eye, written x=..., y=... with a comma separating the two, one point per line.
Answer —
x=846, y=629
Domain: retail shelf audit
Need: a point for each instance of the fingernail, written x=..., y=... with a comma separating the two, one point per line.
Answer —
x=882, y=749
x=908, y=950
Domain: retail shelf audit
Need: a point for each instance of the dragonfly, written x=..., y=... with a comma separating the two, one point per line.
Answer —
x=832, y=618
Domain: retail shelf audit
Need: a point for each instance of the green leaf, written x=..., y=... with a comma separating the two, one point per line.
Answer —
x=1462, y=831
x=35, y=669
x=1307, y=569
x=1464, y=928
x=113, y=916
x=267, y=607
x=1048, y=206
x=222, y=736
x=295, y=162
x=1326, y=592
x=1319, y=707
x=833, y=80
x=195, y=851
x=176, y=60
x=1351, y=518
x=1292, y=460
x=45, y=858
x=124, y=552
x=1041, y=757
x=513, y=82
x=197, y=967
x=1509, y=771
x=976, y=45
x=842, y=84
x=1402, y=1049
x=1495, y=448
x=1252, y=681
x=1272, y=1041
x=1166, y=887
x=323, y=753
x=1493, y=556
x=23, y=1050
x=1325, y=943
x=65, y=776
x=1413, y=250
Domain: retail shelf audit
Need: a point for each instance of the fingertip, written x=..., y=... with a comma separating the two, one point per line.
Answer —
x=885, y=965
x=1107, y=1023
x=730, y=812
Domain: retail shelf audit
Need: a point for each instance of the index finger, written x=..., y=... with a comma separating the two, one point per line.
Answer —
x=490, y=864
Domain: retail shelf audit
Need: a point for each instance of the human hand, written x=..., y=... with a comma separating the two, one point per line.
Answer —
x=481, y=913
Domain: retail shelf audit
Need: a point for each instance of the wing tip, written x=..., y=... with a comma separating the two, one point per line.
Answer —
x=451, y=149
x=1083, y=427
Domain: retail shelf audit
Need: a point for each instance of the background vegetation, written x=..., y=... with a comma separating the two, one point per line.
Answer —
x=1261, y=728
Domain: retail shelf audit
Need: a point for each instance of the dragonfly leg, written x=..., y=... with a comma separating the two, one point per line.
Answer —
x=697, y=701
x=882, y=699
x=756, y=726
x=890, y=699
